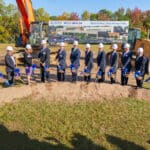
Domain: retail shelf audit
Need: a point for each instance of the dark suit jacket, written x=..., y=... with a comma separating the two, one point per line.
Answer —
x=114, y=60
x=10, y=66
x=140, y=64
x=44, y=56
x=61, y=57
x=126, y=60
x=75, y=57
x=89, y=59
x=101, y=60
x=27, y=60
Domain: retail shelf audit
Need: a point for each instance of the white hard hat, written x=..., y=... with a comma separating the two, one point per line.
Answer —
x=88, y=46
x=115, y=46
x=62, y=44
x=101, y=45
x=43, y=42
x=75, y=43
x=140, y=50
x=28, y=46
x=127, y=45
x=9, y=48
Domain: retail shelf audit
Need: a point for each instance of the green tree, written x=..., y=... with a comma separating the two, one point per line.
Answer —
x=104, y=14
x=64, y=16
x=94, y=17
x=85, y=15
x=146, y=25
x=8, y=22
x=120, y=14
x=42, y=15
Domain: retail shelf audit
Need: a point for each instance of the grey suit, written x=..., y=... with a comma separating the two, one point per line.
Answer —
x=10, y=66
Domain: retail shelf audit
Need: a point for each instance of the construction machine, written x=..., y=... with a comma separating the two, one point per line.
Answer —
x=31, y=31
x=135, y=41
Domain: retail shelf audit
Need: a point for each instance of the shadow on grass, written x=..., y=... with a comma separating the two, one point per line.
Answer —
x=148, y=141
x=81, y=142
x=123, y=144
x=15, y=140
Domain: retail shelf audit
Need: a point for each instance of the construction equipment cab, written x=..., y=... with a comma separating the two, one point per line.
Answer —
x=38, y=32
x=31, y=31
x=134, y=34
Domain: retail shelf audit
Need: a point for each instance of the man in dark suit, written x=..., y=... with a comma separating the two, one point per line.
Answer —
x=140, y=67
x=126, y=64
x=113, y=63
x=75, y=61
x=10, y=64
x=101, y=63
x=61, y=57
x=44, y=57
x=88, y=63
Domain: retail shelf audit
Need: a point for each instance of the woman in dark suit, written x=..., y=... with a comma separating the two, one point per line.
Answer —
x=61, y=57
x=88, y=62
x=75, y=61
x=140, y=67
x=113, y=62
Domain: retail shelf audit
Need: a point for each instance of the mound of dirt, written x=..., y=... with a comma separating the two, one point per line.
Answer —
x=145, y=44
x=72, y=92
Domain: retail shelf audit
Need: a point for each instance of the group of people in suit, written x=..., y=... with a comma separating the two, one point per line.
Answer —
x=44, y=58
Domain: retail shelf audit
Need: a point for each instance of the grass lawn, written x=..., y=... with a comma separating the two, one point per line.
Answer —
x=107, y=125
x=146, y=85
x=94, y=47
x=55, y=48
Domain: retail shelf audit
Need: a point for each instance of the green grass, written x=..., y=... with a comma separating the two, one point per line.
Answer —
x=107, y=125
x=94, y=47
x=68, y=47
x=147, y=85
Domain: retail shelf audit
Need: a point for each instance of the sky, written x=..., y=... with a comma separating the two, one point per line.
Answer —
x=57, y=7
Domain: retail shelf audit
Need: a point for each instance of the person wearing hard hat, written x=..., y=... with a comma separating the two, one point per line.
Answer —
x=75, y=60
x=101, y=63
x=10, y=64
x=126, y=64
x=28, y=62
x=44, y=57
x=140, y=67
x=61, y=58
x=88, y=62
x=113, y=62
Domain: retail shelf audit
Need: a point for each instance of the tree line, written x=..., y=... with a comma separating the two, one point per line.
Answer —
x=9, y=19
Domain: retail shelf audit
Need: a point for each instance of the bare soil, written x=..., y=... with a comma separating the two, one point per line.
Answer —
x=73, y=92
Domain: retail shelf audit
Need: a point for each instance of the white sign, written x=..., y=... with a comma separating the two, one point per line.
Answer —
x=89, y=23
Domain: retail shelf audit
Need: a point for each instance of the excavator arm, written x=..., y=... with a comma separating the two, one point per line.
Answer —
x=31, y=31
x=26, y=17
